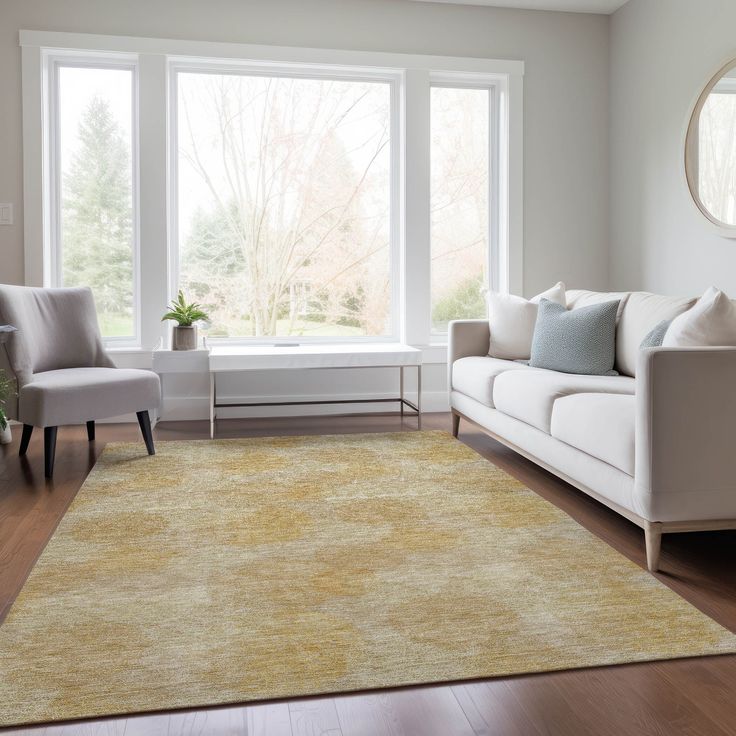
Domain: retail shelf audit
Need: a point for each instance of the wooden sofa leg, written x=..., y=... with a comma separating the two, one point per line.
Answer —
x=91, y=431
x=455, y=424
x=49, y=449
x=25, y=439
x=145, y=423
x=653, y=539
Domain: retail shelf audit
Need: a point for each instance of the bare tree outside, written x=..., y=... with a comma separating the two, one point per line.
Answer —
x=284, y=204
x=284, y=201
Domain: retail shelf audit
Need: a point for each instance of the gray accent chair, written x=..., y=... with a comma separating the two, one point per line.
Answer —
x=62, y=372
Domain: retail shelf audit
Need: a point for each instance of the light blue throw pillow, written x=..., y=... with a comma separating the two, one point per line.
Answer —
x=579, y=340
x=655, y=337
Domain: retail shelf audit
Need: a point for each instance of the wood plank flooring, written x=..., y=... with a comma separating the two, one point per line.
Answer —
x=695, y=697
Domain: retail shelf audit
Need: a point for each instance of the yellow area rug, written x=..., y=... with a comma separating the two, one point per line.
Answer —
x=238, y=570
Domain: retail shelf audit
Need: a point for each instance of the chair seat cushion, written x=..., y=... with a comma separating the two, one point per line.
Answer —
x=474, y=376
x=74, y=395
x=530, y=395
x=601, y=425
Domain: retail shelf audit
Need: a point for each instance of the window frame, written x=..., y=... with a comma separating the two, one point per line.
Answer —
x=495, y=282
x=53, y=61
x=411, y=234
x=392, y=78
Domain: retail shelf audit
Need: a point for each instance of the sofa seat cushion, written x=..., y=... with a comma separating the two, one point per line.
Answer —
x=530, y=395
x=601, y=425
x=76, y=395
x=474, y=376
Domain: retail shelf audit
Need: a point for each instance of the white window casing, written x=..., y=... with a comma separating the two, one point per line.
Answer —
x=156, y=62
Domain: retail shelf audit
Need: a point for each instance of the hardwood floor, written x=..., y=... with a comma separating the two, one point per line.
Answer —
x=695, y=696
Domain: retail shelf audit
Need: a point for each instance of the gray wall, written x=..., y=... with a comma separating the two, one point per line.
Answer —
x=663, y=52
x=565, y=100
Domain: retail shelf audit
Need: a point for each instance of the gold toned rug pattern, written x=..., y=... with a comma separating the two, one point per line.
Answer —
x=235, y=570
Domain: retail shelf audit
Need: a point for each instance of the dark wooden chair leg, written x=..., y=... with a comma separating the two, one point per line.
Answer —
x=49, y=449
x=145, y=422
x=90, y=431
x=25, y=438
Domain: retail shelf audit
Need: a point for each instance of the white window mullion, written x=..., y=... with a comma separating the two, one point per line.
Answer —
x=415, y=271
x=153, y=197
x=511, y=183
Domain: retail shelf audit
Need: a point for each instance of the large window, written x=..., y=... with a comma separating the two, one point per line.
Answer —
x=94, y=228
x=284, y=203
x=460, y=203
x=298, y=195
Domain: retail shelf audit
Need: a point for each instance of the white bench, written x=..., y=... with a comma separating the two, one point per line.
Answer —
x=237, y=358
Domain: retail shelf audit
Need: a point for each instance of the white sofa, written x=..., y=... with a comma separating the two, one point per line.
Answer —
x=655, y=443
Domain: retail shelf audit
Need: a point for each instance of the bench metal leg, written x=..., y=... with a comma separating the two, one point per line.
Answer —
x=419, y=396
x=213, y=396
x=401, y=389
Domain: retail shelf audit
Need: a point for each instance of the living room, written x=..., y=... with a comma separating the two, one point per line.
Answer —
x=366, y=367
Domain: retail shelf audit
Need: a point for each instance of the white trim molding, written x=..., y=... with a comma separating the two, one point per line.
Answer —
x=253, y=52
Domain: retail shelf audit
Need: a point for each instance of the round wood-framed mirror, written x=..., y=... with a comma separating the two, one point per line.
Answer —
x=710, y=150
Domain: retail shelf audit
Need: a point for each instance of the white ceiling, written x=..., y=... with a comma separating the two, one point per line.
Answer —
x=605, y=7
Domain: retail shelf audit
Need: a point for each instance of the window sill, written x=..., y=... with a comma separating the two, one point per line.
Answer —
x=126, y=350
x=435, y=353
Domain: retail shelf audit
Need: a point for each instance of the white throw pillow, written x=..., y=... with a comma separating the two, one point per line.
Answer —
x=512, y=319
x=710, y=321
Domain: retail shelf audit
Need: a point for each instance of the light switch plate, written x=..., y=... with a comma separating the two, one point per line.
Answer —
x=6, y=214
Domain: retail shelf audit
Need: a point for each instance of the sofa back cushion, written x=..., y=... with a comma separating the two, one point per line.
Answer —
x=642, y=312
x=577, y=298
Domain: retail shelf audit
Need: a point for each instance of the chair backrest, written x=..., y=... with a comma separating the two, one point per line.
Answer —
x=57, y=328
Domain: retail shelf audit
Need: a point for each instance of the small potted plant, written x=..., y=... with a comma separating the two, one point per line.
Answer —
x=7, y=389
x=184, y=336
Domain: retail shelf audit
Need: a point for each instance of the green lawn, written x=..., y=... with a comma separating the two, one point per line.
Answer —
x=121, y=325
x=301, y=328
x=113, y=324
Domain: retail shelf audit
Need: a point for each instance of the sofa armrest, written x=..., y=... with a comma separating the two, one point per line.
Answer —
x=466, y=337
x=685, y=440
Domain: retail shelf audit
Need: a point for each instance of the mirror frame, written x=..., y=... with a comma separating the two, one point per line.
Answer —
x=691, y=151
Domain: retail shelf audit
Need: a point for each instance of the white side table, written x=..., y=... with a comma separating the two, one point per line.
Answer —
x=166, y=362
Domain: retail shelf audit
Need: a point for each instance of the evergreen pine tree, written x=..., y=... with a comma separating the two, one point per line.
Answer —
x=97, y=227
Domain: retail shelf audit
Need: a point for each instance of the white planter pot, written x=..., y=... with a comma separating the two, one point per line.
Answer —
x=6, y=436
